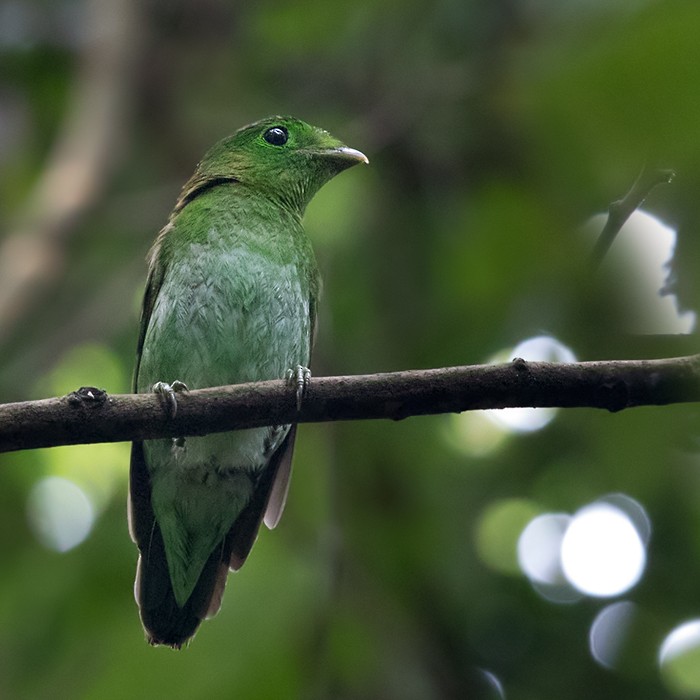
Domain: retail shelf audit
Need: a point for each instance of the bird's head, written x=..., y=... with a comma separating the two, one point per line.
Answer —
x=281, y=157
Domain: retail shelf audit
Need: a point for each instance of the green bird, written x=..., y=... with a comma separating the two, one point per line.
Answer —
x=231, y=297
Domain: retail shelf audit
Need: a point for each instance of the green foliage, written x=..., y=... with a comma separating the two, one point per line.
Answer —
x=495, y=131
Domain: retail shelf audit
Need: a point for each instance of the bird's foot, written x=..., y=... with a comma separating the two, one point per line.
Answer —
x=168, y=391
x=299, y=377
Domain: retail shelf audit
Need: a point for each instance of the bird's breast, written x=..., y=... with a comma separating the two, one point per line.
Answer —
x=224, y=317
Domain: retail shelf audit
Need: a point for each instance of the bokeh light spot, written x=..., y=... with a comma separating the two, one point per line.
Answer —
x=634, y=510
x=679, y=660
x=83, y=365
x=522, y=420
x=609, y=630
x=494, y=687
x=602, y=552
x=539, y=557
x=539, y=548
x=639, y=258
x=59, y=513
x=473, y=434
x=544, y=348
x=541, y=348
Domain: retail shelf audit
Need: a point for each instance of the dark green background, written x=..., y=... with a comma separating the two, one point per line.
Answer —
x=494, y=131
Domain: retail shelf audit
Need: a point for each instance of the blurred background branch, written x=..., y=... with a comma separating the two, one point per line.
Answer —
x=621, y=210
x=85, y=152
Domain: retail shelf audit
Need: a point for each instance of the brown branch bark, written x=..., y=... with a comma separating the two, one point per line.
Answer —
x=90, y=415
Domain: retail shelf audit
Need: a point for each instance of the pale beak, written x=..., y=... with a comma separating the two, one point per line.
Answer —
x=351, y=154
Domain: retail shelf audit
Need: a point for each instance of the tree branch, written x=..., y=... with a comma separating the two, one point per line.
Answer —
x=621, y=210
x=90, y=415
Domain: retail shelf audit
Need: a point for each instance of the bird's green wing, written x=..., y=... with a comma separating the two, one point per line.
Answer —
x=156, y=273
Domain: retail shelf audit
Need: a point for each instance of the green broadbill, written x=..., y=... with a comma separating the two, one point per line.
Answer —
x=231, y=297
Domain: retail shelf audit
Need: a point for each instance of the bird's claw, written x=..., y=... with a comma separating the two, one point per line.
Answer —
x=168, y=391
x=299, y=377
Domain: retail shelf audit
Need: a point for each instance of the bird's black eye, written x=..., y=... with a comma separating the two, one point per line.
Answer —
x=276, y=135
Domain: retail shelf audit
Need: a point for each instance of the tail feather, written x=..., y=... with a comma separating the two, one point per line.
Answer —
x=163, y=620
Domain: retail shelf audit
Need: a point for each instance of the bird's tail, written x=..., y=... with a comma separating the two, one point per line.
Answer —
x=164, y=621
